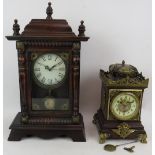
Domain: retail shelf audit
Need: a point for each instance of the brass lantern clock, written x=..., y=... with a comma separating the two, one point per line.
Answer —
x=119, y=115
x=49, y=76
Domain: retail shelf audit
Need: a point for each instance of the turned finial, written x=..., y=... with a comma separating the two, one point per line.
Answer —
x=16, y=28
x=49, y=11
x=123, y=62
x=81, y=29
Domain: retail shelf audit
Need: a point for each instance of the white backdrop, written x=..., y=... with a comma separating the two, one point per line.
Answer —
x=118, y=30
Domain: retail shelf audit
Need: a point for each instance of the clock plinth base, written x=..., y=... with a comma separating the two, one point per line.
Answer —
x=109, y=129
x=46, y=131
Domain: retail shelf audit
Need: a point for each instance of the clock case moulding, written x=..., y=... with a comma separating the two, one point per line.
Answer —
x=120, y=77
x=42, y=35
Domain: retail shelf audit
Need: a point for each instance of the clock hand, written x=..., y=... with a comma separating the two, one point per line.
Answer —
x=52, y=67
x=46, y=67
x=55, y=65
x=130, y=101
x=41, y=64
x=125, y=101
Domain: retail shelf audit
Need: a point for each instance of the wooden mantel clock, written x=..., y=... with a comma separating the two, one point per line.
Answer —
x=49, y=76
x=121, y=101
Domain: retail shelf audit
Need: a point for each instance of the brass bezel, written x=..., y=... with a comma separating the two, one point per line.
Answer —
x=110, y=100
x=37, y=81
x=129, y=116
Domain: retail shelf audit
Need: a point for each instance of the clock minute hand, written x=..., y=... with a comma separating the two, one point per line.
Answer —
x=55, y=65
x=130, y=102
x=52, y=67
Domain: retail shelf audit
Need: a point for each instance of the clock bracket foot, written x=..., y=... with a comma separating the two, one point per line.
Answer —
x=102, y=137
x=142, y=138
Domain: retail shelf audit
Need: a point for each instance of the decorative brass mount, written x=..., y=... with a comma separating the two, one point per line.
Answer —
x=123, y=130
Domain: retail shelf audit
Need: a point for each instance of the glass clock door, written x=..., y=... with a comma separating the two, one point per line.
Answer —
x=50, y=82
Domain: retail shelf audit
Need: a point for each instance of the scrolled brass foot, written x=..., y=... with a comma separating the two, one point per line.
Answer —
x=142, y=138
x=102, y=137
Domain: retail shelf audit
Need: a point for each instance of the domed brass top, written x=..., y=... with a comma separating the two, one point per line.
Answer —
x=123, y=70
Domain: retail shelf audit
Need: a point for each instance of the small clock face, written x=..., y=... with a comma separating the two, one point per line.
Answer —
x=49, y=70
x=125, y=106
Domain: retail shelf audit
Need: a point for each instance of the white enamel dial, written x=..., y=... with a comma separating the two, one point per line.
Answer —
x=49, y=69
x=125, y=106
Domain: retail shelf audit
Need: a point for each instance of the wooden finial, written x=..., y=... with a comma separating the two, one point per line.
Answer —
x=81, y=29
x=49, y=11
x=16, y=28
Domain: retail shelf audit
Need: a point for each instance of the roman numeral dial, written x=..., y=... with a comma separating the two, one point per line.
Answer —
x=49, y=70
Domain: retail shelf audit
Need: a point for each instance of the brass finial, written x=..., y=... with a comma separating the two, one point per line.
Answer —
x=49, y=11
x=16, y=28
x=123, y=62
x=81, y=29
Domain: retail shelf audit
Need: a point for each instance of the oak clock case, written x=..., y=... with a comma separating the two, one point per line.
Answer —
x=119, y=115
x=49, y=76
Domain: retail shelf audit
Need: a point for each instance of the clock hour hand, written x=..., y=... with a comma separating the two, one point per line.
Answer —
x=46, y=67
x=125, y=101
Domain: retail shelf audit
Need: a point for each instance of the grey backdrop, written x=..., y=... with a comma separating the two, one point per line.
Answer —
x=118, y=30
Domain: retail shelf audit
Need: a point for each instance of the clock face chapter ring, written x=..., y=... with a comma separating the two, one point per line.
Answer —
x=124, y=106
x=49, y=70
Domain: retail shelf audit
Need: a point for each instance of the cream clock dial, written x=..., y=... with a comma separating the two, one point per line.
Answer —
x=125, y=106
x=49, y=70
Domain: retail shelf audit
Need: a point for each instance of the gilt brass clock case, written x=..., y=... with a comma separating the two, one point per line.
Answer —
x=121, y=79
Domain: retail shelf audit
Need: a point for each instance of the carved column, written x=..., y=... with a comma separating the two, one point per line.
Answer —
x=76, y=80
x=22, y=80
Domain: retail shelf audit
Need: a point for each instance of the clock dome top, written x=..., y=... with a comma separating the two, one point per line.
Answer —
x=123, y=70
x=123, y=75
x=48, y=29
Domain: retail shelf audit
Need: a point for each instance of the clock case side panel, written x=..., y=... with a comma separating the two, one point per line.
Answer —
x=104, y=100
